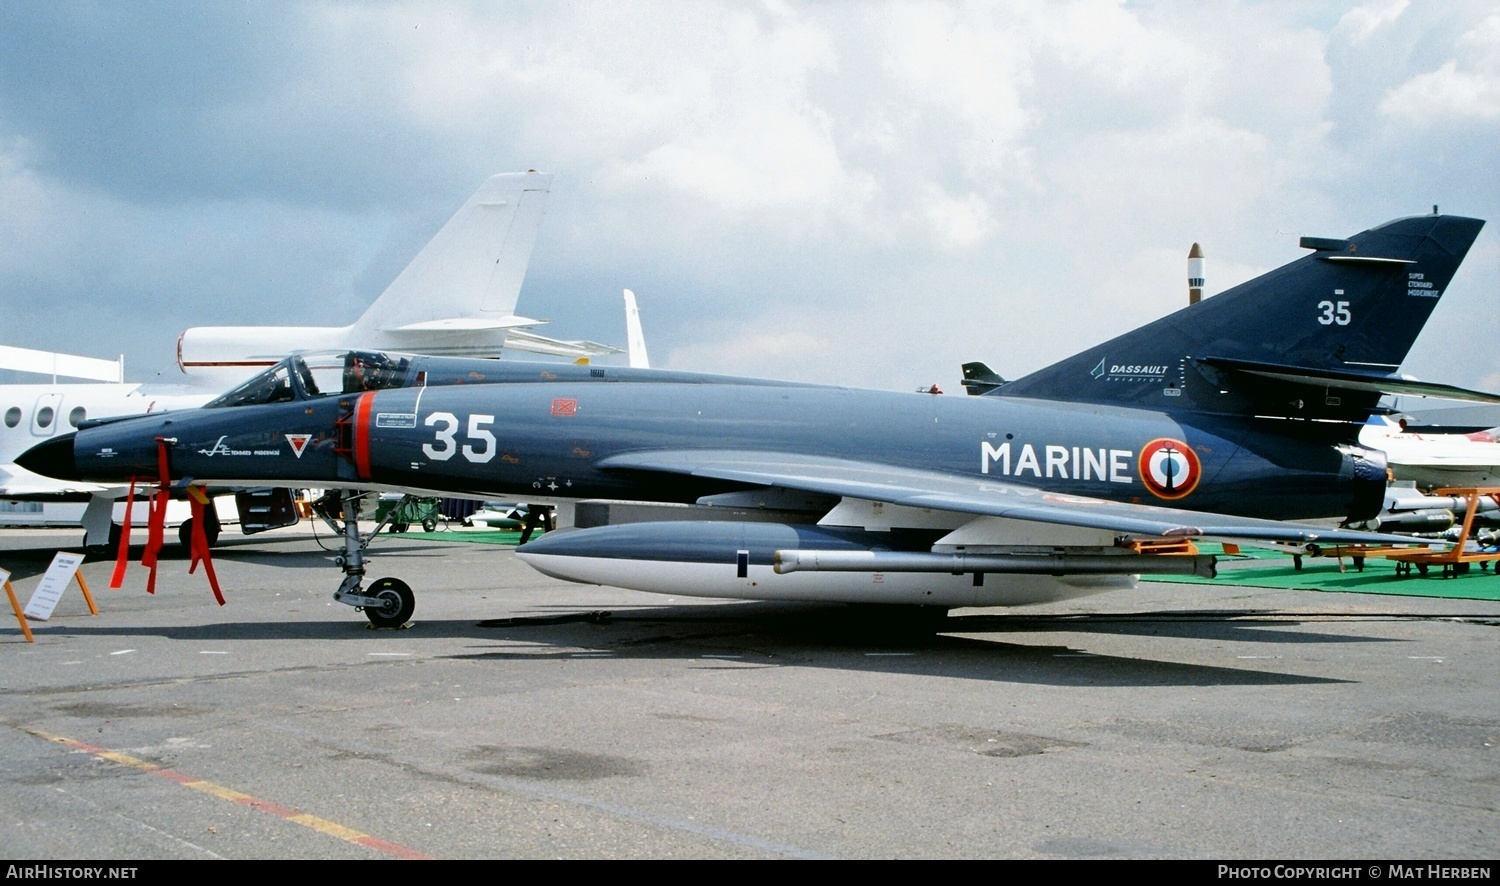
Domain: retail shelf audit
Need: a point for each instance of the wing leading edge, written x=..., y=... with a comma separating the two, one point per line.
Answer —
x=937, y=490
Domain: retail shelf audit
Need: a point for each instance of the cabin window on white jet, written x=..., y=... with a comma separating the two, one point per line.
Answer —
x=44, y=417
x=77, y=416
x=12, y=416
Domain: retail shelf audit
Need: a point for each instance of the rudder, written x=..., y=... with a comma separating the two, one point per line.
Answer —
x=1344, y=317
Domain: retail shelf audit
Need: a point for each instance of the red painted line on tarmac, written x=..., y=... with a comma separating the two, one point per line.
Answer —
x=322, y=825
x=168, y=774
x=391, y=849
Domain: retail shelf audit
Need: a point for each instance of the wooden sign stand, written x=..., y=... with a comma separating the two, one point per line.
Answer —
x=46, y=606
x=14, y=604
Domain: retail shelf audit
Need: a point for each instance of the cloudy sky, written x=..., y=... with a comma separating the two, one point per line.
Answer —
x=863, y=193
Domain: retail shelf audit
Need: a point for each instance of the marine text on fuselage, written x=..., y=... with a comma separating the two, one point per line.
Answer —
x=1053, y=461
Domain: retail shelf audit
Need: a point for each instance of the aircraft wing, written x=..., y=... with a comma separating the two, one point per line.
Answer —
x=18, y=484
x=912, y=487
x=54, y=364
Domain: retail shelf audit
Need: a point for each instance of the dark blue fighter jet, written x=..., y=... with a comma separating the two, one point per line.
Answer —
x=1221, y=420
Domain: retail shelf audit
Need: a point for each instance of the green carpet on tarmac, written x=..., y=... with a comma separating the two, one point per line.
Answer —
x=475, y=536
x=1259, y=568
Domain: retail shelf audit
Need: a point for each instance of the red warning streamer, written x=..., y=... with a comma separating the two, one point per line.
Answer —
x=122, y=557
x=199, y=542
x=156, y=523
x=157, y=529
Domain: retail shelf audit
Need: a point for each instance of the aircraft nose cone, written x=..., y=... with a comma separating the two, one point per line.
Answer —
x=53, y=458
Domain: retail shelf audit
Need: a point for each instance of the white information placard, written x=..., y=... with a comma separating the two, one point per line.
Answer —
x=50, y=589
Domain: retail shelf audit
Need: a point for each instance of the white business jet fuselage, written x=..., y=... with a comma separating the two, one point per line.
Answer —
x=1435, y=460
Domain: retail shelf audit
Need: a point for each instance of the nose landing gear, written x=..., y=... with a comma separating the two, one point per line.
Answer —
x=389, y=602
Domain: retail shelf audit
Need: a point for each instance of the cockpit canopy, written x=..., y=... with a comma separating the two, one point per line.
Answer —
x=296, y=378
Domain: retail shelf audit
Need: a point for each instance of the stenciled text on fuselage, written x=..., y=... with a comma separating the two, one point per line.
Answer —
x=1061, y=462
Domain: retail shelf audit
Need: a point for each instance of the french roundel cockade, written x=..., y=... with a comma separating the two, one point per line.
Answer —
x=1169, y=468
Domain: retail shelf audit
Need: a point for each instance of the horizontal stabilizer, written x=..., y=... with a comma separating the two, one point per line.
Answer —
x=1368, y=259
x=67, y=365
x=540, y=344
x=1351, y=380
x=467, y=324
x=980, y=379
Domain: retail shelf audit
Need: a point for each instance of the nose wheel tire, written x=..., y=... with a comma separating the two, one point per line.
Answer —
x=397, y=603
x=211, y=528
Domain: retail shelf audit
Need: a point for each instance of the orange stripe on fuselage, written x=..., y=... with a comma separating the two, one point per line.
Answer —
x=362, y=435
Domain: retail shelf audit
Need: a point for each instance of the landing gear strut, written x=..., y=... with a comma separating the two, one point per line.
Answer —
x=389, y=603
x=537, y=515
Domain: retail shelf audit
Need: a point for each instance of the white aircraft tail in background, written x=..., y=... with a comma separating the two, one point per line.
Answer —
x=457, y=297
x=634, y=337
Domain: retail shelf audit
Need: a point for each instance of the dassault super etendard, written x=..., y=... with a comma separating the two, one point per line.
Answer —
x=1220, y=420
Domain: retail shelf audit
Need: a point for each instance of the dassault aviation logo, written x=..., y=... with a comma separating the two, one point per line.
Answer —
x=1129, y=371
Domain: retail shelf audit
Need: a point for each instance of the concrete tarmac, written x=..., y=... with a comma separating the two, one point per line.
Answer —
x=513, y=720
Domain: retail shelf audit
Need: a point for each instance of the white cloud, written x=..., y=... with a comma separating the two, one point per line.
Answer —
x=1361, y=22
x=1446, y=92
x=1467, y=86
x=957, y=223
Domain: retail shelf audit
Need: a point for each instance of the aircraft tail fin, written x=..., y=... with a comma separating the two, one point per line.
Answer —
x=1319, y=338
x=634, y=337
x=456, y=298
x=465, y=281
